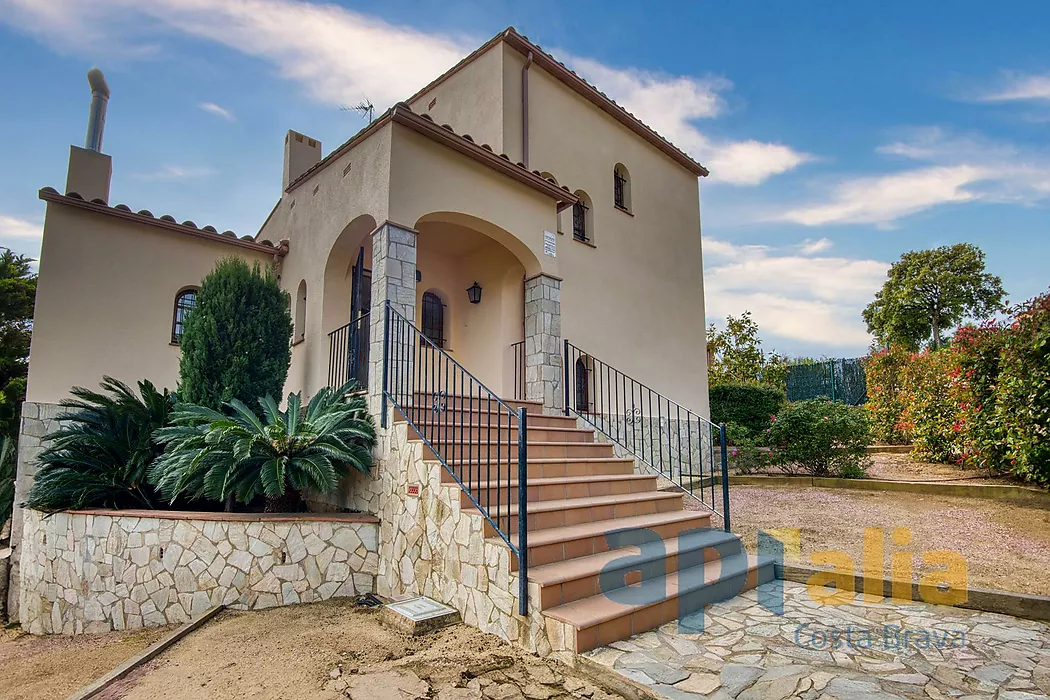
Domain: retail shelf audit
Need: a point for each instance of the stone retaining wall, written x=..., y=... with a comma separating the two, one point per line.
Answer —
x=95, y=571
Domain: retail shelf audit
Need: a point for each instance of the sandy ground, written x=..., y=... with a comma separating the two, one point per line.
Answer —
x=333, y=650
x=55, y=667
x=1006, y=544
x=906, y=468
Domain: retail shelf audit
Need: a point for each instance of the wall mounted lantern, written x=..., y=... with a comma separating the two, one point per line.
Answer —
x=474, y=293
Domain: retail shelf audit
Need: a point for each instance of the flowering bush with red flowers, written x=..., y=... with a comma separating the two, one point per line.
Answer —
x=929, y=390
x=882, y=371
x=976, y=354
x=1022, y=409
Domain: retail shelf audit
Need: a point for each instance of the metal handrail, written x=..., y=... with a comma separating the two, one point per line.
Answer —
x=348, y=352
x=517, y=351
x=414, y=366
x=617, y=404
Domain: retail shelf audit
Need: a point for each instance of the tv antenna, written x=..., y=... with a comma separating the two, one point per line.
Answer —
x=365, y=107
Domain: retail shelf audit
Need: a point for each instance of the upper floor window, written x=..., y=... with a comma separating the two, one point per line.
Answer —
x=621, y=187
x=434, y=319
x=582, y=221
x=185, y=302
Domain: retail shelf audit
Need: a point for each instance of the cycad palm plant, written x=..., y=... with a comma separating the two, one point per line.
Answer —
x=99, y=457
x=237, y=456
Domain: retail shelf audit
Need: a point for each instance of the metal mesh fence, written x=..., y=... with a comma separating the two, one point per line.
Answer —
x=838, y=380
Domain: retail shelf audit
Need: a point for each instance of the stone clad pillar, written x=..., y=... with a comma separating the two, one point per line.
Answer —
x=543, y=344
x=393, y=279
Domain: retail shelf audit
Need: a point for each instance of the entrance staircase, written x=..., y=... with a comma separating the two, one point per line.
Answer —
x=612, y=555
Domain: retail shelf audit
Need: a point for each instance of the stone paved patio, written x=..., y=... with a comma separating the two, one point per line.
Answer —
x=858, y=651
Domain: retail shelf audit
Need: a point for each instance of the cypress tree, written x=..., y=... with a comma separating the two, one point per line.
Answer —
x=237, y=341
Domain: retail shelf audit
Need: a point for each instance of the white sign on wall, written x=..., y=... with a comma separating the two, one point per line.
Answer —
x=550, y=244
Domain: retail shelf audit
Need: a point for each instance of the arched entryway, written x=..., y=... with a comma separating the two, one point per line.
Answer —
x=456, y=251
x=346, y=302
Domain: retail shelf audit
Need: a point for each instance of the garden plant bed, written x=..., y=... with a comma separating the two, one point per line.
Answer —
x=1006, y=544
x=336, y=649
x=41, y=668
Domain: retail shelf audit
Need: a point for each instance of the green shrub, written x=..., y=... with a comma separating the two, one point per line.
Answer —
x=238, y=457
x=236, y=343
x=883, y=371
x=749, y=406
x=99, y=457
x=7, y=478
x=930, y=391
x=1023, y=405
x=820, y=438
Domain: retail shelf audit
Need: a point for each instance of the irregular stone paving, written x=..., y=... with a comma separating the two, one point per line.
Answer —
x=747, y=652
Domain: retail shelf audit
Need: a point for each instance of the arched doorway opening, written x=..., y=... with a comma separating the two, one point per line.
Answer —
x=455, y=251
x=346, y=302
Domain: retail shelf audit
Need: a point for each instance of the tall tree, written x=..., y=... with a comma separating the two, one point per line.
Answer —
x=237, y=341
x=735, y=355
x=929, y=292
x=17, y=295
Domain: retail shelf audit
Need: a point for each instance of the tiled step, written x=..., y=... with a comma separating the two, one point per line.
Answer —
x=463, y=450
x=603, y=619
x=491, y=432
x=476, y=402
x=471, y=469
x=424, y=415
x=561, y=543
x=544, y=515
x=575, y=579
x=559, y=488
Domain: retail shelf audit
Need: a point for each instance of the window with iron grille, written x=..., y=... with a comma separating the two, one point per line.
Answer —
x=619, y=187
x=579, y=221
x=434, y=319
x=583, y=386
x=185, y=302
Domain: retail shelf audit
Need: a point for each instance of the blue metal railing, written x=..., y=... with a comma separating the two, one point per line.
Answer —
x=479, y=439
x=685, y=448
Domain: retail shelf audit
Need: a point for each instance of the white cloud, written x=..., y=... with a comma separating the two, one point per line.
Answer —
x=801, y=298
x=218, y=111
x=1019, y=87
x=809, y=247
x=336, y=54
x=340, y=56
x=671, y=105
x=21, y=235
x=883, y=199
x=175, y=172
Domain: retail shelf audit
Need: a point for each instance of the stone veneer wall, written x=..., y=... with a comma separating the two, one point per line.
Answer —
x=86, y=572
x=544, y=351
x=38, y=419
x=671, y=445
x=430, y=546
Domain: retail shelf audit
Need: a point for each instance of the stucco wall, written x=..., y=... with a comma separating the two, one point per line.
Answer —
x=470, y=99
x=351, y=195
x=105, y=299
x=635, y=299
x=87, y=572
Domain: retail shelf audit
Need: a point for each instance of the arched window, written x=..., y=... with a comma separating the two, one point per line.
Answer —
x=582, y=221
x=621, y=187
x=185, y=302
x=434, y=319
x=583, y=386
x=299, y=334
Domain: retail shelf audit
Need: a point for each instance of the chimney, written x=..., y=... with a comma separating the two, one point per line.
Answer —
x=90, y=170
x=300, y=154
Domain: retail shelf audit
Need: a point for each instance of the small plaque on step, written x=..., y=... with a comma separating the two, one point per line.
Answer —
x=418, y=615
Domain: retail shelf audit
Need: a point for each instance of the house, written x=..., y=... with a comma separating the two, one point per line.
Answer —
x=506, y=247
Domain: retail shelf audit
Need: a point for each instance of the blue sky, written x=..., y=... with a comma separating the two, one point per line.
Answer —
x=839, y=135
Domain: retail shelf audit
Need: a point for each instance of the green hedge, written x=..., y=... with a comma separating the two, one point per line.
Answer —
x=747, y=405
